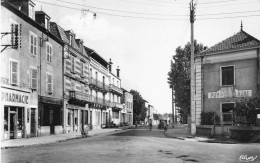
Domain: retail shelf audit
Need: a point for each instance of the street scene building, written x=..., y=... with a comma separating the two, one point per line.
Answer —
x=86, y=81
x=33, y=55
x=225, y=73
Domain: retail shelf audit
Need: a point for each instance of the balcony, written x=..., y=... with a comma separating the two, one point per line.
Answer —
x=80, y=98
x=115, y=89
x=98, y=85
x=116, y=106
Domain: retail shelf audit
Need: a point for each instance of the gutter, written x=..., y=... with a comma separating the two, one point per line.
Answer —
x=258, y=72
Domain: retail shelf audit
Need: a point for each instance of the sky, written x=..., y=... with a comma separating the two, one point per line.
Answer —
x=140, y=36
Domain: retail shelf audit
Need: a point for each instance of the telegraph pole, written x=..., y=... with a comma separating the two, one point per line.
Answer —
x=193, y=108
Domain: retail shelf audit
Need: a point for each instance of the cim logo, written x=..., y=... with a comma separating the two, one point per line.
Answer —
x=245, y=158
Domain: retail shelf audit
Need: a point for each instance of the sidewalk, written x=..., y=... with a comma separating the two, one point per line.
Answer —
x=182, y=132
x=35, y=141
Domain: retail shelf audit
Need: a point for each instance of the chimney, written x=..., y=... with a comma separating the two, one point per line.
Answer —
x=117, y=70
x=43, y=19
x=110, y=65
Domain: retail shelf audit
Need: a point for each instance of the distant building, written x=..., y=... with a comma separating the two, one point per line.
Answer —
x=226, y=72
x=127, y=114
x=115, y=94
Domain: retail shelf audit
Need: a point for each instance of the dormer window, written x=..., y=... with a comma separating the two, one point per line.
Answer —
x=31, y=11
x=47, y=23
x=70, y=40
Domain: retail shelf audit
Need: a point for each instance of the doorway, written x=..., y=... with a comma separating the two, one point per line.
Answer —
x=90, y=120
x=13, y=125
x=33, y=122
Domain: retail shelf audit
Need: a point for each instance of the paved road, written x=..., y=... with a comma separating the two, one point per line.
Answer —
x=131, y=146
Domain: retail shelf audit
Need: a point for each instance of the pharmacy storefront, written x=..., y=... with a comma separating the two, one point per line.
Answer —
x=15, y=112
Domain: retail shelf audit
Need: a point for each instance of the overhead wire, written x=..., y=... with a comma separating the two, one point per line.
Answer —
x=154, y=18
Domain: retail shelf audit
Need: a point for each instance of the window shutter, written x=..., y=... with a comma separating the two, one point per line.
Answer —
x=34, y=78
x=31, y=42
x=14, y=72
x=35, y=46
x=50, y=53
x=49, y=83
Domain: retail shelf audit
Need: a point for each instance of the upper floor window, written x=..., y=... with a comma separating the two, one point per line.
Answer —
x=14, y=72
x=72, y=64
x=82, y=68
x=228, y=75
x=49, y=52
x=31, y=11
x=47, y=22
x=34, y=78
x=49, y=83
x=70, y=40
x=33, y=43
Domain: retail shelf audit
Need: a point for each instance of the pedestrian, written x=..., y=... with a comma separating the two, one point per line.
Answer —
x=150, y=124
x=165, y=127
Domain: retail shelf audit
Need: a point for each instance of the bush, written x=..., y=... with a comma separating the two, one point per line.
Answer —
x=207, y=118
x=245, y=111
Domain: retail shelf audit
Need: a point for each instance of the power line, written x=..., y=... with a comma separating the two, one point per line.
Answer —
x=139, y=17
x=119, y=10
x=229, y=13
x=228, y=5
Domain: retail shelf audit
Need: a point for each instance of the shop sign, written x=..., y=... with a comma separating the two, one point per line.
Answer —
x=69, y=106
x=14, y=96
x=230, y=93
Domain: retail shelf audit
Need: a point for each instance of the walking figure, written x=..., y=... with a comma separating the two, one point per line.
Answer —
x=165, y=126
x=150, y=124
x=84, y=132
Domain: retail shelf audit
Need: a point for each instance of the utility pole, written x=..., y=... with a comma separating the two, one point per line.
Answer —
x=193, y=108
x=173, y=109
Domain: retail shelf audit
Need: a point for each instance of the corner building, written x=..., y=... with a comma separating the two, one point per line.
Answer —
x=23, y=81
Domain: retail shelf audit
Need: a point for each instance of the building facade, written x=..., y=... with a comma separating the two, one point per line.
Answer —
x=225, y=73
x=115, y=95
x=23, y=82
x=75, y=81
x=127, y=113
x=99, y=88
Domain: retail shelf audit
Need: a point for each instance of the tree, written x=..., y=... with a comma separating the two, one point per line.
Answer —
x=139, y=109
x=179, y=75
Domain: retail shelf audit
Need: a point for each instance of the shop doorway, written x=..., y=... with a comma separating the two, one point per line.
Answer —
x=82, y=120
x=90, y=120
x=13, y=125
x=13, y=122
x=33, y=123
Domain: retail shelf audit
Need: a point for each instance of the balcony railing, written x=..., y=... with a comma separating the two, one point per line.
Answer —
x=99, y=84
x=81, y=96
x=115, y=88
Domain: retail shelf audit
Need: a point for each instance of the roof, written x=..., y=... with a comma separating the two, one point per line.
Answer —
x=237, y=41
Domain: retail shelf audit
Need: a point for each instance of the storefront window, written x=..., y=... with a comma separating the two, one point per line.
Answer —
x=6, y=119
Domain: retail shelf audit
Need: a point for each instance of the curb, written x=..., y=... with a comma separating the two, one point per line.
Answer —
x=58, y=141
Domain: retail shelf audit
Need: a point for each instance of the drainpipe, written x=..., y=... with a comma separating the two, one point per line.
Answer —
x=63, y=105
x=258, y=73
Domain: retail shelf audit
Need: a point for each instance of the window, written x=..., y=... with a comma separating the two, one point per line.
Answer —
x=14, y=74
x=86, y=117
x=228, y=107
x=31, y=11
x=47, y=23
x=49, y=52
x=72, y=64
x=33, y=44
x=70, y=40
x=34, y=78
x=49, y=83
x=115, y=115
x=227, y=75
x=82, y=69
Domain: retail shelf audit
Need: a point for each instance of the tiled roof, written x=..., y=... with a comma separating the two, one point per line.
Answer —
x=239, y=40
